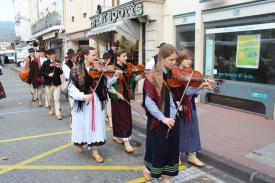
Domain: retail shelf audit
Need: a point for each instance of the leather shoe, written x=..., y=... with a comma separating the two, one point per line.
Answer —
x=192, y=158
x=97, y=157
x=79, y=149
x=117, y=140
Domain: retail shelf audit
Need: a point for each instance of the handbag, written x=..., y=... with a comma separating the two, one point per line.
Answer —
x=24, y=74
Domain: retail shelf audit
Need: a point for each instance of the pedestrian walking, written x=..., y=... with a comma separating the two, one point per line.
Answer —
x=67, y=66
x=108, y=113
x=51, y=71
x=121, y=93
x=189, y=128
x=162, y=134
x=35, y=78
x=88, y=112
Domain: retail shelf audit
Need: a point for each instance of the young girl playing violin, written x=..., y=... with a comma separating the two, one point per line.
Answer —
x=88, y=115
x=121, y=91
x=162, y=148
x=189, y=129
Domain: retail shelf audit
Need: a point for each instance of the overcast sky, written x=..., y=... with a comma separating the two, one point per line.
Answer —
x=6, y=10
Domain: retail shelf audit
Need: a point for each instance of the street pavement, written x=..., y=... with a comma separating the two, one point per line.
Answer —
x=38, y=147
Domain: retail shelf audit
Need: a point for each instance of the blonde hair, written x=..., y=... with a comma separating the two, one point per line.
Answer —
x=165, y=51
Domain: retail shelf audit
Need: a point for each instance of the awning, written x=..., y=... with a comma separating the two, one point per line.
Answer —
x=127, y=28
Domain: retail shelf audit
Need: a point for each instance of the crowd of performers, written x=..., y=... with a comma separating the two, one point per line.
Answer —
x=100, y=89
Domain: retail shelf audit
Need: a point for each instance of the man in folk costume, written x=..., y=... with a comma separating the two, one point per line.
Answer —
x=35, y=78
x=51, y=71
x=162, y=140
x=88, y=112
x=67, y=66
x=121, y=91
x=28, y=63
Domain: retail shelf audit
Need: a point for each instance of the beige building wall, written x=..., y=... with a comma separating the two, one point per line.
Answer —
x=33, y=11
x=76, y=9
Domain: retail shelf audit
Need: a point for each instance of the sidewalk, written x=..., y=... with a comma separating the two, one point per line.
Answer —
x=233, y=136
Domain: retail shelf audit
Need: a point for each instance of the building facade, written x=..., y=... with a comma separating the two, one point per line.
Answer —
x=47, y=24
x=77, y=23
x=131, y=24
x=22, y=29
x=232, y=40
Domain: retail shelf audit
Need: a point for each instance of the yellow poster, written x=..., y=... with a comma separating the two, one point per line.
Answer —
x=248, y=51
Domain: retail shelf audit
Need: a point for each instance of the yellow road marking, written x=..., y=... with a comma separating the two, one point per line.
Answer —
x=141, y=180
x=35, y=158
x=42, y=135
x=36, y=136
x=69, y=167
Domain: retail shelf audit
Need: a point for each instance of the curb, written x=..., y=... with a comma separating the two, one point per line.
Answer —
x=230, y=167
x=234, y=169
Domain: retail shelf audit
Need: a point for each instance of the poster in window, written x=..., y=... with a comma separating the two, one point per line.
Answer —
x=248, y=51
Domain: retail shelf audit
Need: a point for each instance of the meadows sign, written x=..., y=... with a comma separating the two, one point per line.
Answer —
x=124, y=11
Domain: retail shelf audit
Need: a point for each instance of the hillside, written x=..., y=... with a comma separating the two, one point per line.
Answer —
x=7, y=32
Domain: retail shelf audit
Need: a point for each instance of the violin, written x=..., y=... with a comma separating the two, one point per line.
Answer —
x=95, y=73
x=138, y=69
x=179, y=77
x=198, y=78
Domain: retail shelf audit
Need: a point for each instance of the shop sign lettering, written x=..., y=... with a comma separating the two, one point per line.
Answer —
x=236, y=12
x=235, y=75
x=128, y=10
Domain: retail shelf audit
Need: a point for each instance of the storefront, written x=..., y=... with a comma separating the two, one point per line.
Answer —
x=185, y=31
x=54, y=40
x=77, y=40
x=240, y=48
x=124, y=33
x=132, y=25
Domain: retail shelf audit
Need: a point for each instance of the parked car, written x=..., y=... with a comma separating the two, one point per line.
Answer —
x=10, y=56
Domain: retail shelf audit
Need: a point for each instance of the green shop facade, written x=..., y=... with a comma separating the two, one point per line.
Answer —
x=239, y=47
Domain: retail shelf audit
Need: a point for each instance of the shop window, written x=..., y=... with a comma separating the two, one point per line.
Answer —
x=185, y=38
x=247, y=54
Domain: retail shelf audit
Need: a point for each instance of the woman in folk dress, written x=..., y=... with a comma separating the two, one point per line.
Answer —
x=88, y=112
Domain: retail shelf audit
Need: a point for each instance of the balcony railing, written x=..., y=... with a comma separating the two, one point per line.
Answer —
x=52, y=19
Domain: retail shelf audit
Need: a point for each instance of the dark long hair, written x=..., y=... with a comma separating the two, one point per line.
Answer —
x=79, y=76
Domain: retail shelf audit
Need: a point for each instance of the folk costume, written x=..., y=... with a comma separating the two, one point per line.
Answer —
x=66, y=71
x=189, y=128
x=53, y=86
x=121, y=110
x=36, y=80
x=88, y=118
x=162, y=148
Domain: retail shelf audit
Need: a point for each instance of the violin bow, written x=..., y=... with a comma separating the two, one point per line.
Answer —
x=135, y=109
x=128, y=90
x=180, y=102
x=100, y=77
